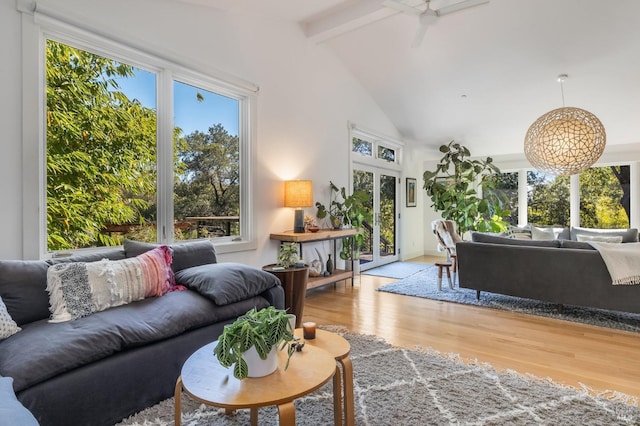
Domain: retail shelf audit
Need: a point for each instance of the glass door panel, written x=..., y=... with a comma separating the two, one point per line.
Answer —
x=380, y=242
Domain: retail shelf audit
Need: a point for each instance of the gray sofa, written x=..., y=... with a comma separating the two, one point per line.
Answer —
x=101, y=368
x=564, y=272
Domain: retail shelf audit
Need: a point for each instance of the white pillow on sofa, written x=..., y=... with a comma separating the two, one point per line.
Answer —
x=614, y=239
x=542, y=234
x=78, y=289
x=8, y=326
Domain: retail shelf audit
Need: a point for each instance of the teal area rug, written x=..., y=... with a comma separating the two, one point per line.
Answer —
x=397, y=269
x=424, y=284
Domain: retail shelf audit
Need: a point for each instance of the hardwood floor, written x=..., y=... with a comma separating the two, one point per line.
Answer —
x=567, y=352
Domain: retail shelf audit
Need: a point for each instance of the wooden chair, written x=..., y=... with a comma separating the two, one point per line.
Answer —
x=447, y=236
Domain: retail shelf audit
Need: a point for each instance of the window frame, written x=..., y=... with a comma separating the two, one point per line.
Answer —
x=37, y=28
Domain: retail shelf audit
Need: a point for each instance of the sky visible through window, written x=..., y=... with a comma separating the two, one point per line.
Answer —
x=189, y=113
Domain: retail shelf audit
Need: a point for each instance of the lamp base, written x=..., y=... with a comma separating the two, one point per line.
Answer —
x=298, y=222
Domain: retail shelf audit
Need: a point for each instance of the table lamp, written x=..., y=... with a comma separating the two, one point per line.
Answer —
x=298, y=194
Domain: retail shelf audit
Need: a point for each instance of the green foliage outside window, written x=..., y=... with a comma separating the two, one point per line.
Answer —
x=100, y=149
x=101, y=158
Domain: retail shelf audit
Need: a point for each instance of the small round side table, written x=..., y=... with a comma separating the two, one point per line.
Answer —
x=205, y=380
x=339, y=348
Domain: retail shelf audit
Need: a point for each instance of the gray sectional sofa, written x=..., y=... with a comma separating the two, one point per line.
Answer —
x=103, y=367
x=560, y=271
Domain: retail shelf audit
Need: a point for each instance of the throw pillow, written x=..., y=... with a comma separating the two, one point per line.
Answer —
x=628, y=235
x=523, y=233
x=614, y=239
x=23, y=286
x=185, y=255
x=78, y=289
x=227, y=282
x=541, y=234
x=8, y=326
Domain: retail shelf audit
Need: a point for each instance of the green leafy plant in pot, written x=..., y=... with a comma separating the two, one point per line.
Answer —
x=288, y=255
x=264, y=330
x=453, y=186
x=353, y=211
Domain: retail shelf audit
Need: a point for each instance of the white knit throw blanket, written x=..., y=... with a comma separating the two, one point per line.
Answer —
x=622, y=260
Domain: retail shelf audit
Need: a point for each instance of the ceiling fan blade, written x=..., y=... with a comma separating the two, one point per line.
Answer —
x=404, y=8
x=419, y=37
x=465, y=4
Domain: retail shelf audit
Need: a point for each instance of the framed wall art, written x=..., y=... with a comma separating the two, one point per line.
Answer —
x=411, y=192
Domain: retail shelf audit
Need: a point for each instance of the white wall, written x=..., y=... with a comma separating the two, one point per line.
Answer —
x=306, y=99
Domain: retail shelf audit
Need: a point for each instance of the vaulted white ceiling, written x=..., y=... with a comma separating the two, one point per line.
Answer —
x=481, y=75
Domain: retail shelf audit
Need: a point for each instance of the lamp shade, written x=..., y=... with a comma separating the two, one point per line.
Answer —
x=298, y=193
x=565, y=141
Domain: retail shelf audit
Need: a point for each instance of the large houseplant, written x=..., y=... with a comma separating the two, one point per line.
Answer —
x=351, y=211
x=263, y=329
x=453, y=188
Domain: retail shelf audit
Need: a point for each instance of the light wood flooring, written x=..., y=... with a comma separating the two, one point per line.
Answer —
x=567, y=352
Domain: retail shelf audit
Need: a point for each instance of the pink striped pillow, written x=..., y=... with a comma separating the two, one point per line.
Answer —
x=78, y=289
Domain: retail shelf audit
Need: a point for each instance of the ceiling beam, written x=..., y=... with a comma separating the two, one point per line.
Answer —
x=345, y=18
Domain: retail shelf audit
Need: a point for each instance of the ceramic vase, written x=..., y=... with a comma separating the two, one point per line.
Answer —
x=330, y=265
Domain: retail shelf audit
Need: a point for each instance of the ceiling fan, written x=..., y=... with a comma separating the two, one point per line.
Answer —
x=426, y=15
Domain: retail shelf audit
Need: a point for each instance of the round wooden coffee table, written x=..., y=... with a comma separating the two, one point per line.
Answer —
x=339, y=348
x=205, y=380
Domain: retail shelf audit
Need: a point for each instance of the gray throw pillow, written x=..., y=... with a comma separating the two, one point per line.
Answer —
x=23, y=288
x=226, y=282
x=185, y=255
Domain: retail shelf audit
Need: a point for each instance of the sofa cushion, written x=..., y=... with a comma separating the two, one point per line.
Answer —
x=628, y=235
x=185, y=255
x=576, y=245
x=78, y=289
x=8, y=326
x=94, y=256
x=226, y=282
x=480, y=237
x=23, y=285
x=11, y=410
x=43, y=350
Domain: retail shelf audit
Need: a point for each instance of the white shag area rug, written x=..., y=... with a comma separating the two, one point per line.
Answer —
x=395, y=386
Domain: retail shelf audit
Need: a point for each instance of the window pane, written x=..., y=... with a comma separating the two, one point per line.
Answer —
x=207, y=179
x=362, y=147
x=605, y=197
x=547, y=199
x=506, y=189
x=100, y=150
x=387, y=154
x=363, y=181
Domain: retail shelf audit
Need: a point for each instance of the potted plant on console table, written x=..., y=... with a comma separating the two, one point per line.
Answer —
x=253, y=337
x=350, y=211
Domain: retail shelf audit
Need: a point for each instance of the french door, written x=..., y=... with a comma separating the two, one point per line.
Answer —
x=381, y=235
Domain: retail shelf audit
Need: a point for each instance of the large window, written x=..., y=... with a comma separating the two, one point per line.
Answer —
x=128, y=155
x=547, y=199
x=505, y=186
x=605, y=200
x=604, y=194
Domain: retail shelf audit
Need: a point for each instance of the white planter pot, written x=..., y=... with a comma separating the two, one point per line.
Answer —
x=260, y=367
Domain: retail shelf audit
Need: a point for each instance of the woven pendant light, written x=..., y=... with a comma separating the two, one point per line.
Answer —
x=565, y=141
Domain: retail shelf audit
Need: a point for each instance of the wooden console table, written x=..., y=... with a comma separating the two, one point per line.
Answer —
x=314, y=237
